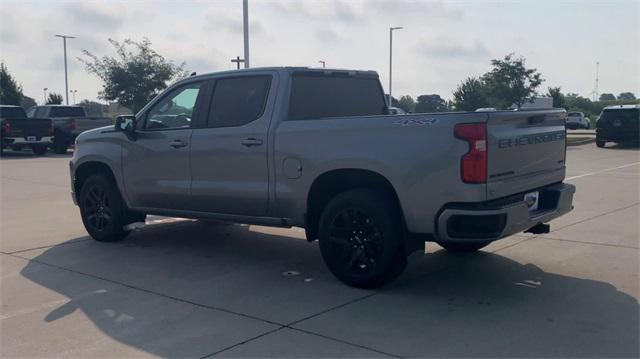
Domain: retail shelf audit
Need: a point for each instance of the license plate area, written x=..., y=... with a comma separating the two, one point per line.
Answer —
x=532, y=199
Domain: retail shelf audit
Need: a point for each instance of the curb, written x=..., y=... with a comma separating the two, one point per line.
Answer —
x=581, y=142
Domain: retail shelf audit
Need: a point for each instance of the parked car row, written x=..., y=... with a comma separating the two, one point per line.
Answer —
x=49, y=126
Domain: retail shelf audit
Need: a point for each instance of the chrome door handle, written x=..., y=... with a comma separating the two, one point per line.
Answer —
x=177, y=144
x=251, y=142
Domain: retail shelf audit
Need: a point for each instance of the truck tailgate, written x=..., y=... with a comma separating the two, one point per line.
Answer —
x=526, y=150
x=23, y=127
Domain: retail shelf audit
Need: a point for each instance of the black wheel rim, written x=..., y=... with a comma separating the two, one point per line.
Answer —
x=96, y=207
x=356, y=241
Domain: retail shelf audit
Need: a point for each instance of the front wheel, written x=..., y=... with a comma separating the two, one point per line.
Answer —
x=361, y=239
x=463, y=247
x=102, y=209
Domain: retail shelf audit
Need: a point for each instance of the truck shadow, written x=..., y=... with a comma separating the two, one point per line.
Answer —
x=445, y=305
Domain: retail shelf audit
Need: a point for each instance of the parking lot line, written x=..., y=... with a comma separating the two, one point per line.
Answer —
x=601, y=171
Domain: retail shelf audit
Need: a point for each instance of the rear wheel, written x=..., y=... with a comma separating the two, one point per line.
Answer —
x=102, y=209
x=361, y=239
x=39, y=149
x=463, y=247
x=60, y=146
x=600, y=143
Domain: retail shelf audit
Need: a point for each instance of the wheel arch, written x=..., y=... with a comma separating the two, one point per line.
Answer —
x=333, y=182
x=89, y=168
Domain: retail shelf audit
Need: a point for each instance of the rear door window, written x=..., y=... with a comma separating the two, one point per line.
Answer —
x=63, y=111
x=316, y=96
x=238, y=101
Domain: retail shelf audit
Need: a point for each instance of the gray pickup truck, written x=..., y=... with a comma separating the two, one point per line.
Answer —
x=69, y=122
x=315, y=148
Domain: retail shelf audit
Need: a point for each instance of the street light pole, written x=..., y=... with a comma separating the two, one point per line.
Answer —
x=245, y=23
x=45, y=95
x=66, y=80
x=74, y=92
x=322, y=62
x=391, y=59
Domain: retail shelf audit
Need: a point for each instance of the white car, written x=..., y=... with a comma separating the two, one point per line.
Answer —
x=576, y=120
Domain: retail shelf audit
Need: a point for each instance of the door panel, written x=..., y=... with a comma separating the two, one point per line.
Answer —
x=156, y=169
x=229, y=158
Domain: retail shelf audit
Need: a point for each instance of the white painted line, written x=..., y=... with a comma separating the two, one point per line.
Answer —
x=596, y=172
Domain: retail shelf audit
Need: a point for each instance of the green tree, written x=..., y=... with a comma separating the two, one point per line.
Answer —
x=54, y=99
x=93, y=108
x=626, y=96
x=136, y=75
x=558, y=97
x=430, y=103
x=10, y=90
x=407, y=103
x=470, y=95
x=510, y=82
x=607, y=97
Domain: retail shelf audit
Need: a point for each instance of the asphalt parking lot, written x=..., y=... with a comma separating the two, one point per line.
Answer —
x=187, y=288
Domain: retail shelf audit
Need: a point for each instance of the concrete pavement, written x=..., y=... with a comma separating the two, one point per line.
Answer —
x=189, y=288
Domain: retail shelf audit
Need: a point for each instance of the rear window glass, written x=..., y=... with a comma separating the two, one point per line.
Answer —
x=322, y=96
x=238, y=100
x=61, y=111
x=574, y=114
x=12, y=112
x=623, y=115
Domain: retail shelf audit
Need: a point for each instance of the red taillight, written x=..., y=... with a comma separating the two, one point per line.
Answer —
x=7, y=127
x=474, y=163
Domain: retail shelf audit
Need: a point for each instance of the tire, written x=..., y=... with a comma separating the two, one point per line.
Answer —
x=600, y=143
x=60, y=147
x=102, y=210
x=39, y=149
x=360, y=237
x=463, y=247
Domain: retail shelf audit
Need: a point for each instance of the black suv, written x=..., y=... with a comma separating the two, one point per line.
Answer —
x=618, y=124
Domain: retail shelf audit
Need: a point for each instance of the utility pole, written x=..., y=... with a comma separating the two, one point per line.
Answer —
x=245, y=23
x=66, y=80
x=238, y=60
x=391, y=59
x=323, y=63
x=74, y=92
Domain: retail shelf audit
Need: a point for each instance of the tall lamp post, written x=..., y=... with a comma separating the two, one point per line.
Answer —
x=322, y=62
x=245, y=27
x=45, y=95
x=391, y=59
x=66, y=81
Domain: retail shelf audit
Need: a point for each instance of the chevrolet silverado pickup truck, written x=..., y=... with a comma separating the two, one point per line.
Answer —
x=69, y=122
x=316, y=148
x=18, y=131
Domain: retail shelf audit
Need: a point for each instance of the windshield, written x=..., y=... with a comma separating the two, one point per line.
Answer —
x=623, y=115
x=64, y=111
x=12, y=112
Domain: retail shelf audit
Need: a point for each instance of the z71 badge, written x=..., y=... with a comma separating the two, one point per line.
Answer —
x=417, y=122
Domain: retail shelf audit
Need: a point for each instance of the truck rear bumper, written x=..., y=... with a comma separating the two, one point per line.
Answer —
x=8, y=141
x=503, y=217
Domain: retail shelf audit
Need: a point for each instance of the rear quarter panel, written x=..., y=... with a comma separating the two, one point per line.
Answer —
x=418, y=154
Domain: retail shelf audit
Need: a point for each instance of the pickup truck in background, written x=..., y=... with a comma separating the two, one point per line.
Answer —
x=577, y=120
x=69, y=122
x=619, y=123
x=18, y=131
x=316, y=148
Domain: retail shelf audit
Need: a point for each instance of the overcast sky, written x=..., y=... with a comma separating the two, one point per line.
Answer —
x=442, y=42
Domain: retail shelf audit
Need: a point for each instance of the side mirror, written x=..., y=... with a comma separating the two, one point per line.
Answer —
x=126, y=124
